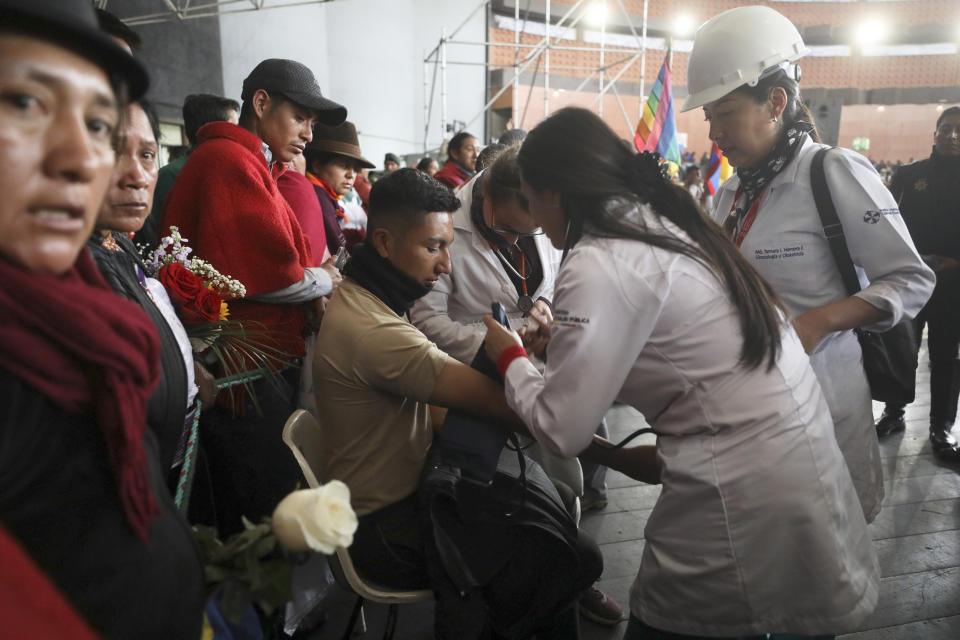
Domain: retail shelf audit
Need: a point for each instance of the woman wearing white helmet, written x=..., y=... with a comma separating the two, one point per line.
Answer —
x=749, y=93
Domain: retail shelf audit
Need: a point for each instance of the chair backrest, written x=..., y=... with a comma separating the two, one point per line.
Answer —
x=302, y=434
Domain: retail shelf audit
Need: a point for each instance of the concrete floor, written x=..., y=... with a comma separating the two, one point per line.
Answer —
x=917, y=536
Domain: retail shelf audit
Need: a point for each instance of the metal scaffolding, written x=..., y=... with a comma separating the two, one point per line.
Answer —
x=526, y=55
x=188, y=9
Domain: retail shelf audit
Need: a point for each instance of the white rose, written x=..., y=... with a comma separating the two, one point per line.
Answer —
x=320, y=519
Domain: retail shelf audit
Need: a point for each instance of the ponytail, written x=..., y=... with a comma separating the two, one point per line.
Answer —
x=602, y=182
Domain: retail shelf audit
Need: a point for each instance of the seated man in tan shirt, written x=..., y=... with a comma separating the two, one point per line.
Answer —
x=376, y=375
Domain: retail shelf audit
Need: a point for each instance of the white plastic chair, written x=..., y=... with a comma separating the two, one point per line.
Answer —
x=303, y=434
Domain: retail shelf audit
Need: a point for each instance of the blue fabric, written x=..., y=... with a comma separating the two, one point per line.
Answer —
x=247, y=629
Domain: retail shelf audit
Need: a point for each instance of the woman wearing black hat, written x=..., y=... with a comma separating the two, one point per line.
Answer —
x=333, y=162
x=80, y=487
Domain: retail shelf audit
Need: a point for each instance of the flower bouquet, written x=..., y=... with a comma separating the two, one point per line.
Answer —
x=199, y=294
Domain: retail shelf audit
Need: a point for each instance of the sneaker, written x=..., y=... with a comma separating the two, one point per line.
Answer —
x=890, y=422
x=592, y=501
x=598, y=607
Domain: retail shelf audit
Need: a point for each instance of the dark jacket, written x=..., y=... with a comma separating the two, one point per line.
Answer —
x=58, y=498
x=166, y=413
x=928, y=193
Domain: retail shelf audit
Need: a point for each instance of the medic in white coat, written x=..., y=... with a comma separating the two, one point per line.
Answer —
x=749, y=93
x=758, y=527
x=450, y=315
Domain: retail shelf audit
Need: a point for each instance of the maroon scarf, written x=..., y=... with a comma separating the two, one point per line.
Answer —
x=86, y=349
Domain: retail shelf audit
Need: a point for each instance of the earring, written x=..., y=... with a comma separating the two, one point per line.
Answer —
x=774, y=119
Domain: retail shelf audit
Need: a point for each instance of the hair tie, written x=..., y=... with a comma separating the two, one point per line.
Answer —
x=649, y=173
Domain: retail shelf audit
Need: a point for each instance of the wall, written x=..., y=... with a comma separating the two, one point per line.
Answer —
x=248, y=38
x=368, y=55
x=183, y=57
x=898, y=132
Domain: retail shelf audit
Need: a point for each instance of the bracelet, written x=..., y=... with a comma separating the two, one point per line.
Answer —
x=509, y=355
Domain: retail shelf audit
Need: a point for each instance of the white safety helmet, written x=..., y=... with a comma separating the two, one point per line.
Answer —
x=735, y=48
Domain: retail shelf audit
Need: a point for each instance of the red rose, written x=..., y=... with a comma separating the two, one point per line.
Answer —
x=182, y=285
x=204, y=308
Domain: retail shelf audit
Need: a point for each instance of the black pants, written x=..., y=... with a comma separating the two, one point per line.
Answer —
x=250, y=468
x=388, y=549
x=943, y=342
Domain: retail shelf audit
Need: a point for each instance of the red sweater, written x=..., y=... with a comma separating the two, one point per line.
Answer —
x=299, y=193
x=30, y=605
x=452, y=175
x=363, y=190
x=227, y=204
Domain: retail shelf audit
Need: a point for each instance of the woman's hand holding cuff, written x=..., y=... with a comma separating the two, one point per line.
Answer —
x=499, y=340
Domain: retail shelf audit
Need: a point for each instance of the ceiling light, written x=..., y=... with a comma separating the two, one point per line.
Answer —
x=597, y=13
x=682, y=26
x=871, y=32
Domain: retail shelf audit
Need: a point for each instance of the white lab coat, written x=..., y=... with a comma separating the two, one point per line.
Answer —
x=758, y=527
x=451, y=314
x=787, y=246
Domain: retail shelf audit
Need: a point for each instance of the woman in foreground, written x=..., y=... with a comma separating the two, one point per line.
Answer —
x=81, y=490
x=758, y=528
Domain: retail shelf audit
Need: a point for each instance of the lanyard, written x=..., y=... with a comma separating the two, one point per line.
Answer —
x=524, y=302
x=747, y=222
x=523, y=271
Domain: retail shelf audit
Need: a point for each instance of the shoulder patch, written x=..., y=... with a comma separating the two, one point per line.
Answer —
x=873, y=216
x=564, y=318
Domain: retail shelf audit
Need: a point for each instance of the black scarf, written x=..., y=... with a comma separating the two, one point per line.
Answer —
x=753, y=180
x=380, y=277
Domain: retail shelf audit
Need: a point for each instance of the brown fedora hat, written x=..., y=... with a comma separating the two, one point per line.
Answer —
x=341, y=140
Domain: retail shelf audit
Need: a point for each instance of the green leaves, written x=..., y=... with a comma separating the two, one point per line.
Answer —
x=249, y=568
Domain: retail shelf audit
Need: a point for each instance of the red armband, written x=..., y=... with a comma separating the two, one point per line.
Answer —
x=509, y=355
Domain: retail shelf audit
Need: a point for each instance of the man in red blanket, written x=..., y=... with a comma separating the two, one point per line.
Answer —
x=226, y=203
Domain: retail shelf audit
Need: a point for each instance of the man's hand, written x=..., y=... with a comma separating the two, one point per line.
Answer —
x=535, y=333
x=334, y=273
x=206, y=383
